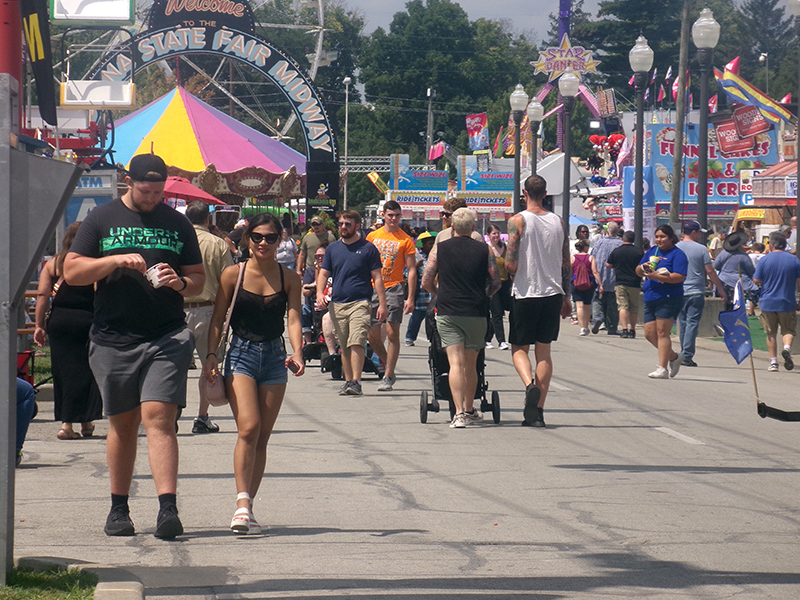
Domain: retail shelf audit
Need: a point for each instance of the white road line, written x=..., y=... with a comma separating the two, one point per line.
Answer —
x=559, y=387
x=679, y=436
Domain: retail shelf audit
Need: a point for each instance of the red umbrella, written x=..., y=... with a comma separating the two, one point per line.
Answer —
x=179, y=187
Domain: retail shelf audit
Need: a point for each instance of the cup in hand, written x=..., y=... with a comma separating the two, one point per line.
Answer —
x=152, y=275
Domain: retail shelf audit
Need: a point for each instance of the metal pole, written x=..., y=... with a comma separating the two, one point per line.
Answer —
x=346, y=132
x=535, y=157
x=680, y=116
x=640, y=80
x=569, y=103
x=429, y=134
x=517, y=124
x=704, y=57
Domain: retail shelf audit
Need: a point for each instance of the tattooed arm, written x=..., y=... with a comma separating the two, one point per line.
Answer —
x=429, y=275
x=516, y=227
x=493, y=282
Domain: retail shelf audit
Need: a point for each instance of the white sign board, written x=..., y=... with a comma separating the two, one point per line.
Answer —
x=92, y=12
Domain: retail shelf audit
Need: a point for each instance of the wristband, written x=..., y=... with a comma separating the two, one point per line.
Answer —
x=214, y=354
x=185, y=283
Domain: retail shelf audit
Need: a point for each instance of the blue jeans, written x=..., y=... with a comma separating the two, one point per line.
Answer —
x=604, y=308
x=25, y=406
x=689, y=321
x=417, y=318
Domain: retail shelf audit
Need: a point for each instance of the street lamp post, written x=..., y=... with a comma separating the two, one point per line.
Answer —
x=794, y=8
x=705, y=34
x=535, y=116
x=568, y=87
x=641, y=59
x=346, y=81
x=518, y=101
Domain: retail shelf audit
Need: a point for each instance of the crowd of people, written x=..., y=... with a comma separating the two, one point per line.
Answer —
x=139, y=288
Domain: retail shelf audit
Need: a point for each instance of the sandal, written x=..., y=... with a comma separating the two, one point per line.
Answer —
x=68, y=434
x=241, y=521
x=255, y=528
x=87, y=429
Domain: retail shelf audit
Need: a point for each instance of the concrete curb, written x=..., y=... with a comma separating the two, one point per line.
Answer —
x=113, y=583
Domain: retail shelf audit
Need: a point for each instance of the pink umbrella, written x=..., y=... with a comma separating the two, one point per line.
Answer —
x=180, y=187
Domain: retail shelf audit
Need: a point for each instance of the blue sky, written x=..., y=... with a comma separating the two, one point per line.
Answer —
x=525, y=15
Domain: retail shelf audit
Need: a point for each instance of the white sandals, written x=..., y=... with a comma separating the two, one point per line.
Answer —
x=243, y=522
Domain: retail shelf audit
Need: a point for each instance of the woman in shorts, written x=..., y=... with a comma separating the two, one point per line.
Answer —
x=583, y=298
x=256, y=362
x=664, y=268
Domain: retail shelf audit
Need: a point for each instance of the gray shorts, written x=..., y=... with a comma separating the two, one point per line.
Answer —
x=147, y=372
x=395, y=298
x=470, y=331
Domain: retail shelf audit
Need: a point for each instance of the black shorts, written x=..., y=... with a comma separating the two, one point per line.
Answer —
x=584, y=296
x=535, y=320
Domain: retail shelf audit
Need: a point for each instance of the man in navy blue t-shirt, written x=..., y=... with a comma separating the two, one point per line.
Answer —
x=778, y=274
x=355, y=265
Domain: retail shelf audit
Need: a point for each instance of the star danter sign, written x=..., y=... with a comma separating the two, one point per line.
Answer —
x=556, y=60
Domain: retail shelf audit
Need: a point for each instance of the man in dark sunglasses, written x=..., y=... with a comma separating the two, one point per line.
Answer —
x=355, y=264
x=448, y=208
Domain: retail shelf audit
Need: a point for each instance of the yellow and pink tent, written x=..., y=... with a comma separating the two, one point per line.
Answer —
x=190, y=135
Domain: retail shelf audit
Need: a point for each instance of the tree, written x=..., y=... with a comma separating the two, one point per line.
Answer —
x=767, y=29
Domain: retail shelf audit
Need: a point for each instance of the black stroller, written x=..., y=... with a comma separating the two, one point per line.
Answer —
x=440, y=366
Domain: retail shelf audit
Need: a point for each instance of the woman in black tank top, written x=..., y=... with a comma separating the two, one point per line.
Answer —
x=256, y=361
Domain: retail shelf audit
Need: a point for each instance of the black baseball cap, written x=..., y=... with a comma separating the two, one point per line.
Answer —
x=147, y=167
x=693, y=226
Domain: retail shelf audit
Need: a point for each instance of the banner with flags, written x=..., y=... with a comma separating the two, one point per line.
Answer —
x=740, y=90
x=737, y=330
x=712, y=104
x=675, y=88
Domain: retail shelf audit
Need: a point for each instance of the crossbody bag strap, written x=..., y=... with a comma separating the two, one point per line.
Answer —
x=233, y=300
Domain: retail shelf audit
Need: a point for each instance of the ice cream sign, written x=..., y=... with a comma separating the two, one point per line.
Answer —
x=729, y=156
x=555, y=60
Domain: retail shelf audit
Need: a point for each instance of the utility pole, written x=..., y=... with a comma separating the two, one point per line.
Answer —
x=429, y=134
x=680, y=117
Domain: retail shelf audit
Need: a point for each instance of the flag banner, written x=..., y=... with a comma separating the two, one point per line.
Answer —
x=786, y=99
x=661, y=93
x=653, y=78
x=437, y=151
x=497, y=145
x=740, y=90
x=478, y=131
x=36, y=25
x=712, y=104
x=737, y=331
x=647, y=94
x=379, y=183
x=631, y=80
x=508, y=140
x=668, y=76
x=733, y=66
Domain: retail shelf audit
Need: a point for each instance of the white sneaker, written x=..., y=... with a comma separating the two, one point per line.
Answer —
x=675, y=365
x=584, y=331
x=659, y=373
x=459, y=421
x=475, y=417
x=504, y=346
x=773, y=367
x=489, y=346
x=386, y=384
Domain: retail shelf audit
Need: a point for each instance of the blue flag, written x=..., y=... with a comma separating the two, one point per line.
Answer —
x=737, y=331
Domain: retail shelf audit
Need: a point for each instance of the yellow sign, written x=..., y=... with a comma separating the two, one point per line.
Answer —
x=745, y=214
x=378, y=182
x=555, y=60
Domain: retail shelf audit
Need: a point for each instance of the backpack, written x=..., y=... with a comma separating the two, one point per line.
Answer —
x=583, y=278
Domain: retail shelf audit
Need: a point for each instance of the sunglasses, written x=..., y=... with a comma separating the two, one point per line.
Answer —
x=447, y=214
x=345, y=225
x=270, y=238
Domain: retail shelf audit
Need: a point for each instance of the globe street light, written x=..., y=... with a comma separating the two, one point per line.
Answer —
x=535, y=116
x=346, y=81
x=794, y=8
x=518, y=101
x=705, y=34
x=641, y=59
x=568, y=88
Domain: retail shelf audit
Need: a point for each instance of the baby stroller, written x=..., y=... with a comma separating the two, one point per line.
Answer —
x=315, y=349
x=440, y=366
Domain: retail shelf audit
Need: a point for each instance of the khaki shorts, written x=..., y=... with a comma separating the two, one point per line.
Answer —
x=351, y=321
x=629, y=298
x=470, y=331
x=771, y=320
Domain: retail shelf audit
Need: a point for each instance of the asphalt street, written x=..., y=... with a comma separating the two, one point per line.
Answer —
x=637, y=488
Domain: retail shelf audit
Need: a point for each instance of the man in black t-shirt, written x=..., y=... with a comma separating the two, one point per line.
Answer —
x=468, y=276
x=624, y=260
x=140, y=346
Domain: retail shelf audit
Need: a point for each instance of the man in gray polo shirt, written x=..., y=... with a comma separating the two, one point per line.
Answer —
x=694, y=288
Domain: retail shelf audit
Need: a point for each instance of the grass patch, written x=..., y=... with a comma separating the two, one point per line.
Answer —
x=757, y=335
x=51, y=584
x=42, y=367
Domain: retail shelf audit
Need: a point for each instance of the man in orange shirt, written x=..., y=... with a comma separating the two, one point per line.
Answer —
x=397, y=254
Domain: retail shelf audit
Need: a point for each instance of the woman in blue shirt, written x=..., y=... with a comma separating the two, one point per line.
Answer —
x=664, y=268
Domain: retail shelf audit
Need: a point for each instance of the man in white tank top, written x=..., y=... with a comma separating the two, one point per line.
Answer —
x=538, y=260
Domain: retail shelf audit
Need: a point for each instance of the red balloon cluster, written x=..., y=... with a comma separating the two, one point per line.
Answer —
x=612, y=143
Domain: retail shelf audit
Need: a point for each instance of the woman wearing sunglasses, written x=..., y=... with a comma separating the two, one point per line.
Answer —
x=256, y=361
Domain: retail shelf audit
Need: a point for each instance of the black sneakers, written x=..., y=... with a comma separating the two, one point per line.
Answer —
x=202, y=425
x=119, y=522
x=168, y=525
x=530, y=413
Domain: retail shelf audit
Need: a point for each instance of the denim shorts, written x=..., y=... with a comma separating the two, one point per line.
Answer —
x=264, y=362
x=663, y=308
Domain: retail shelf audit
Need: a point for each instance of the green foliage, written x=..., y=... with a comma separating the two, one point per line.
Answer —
x=51, y=584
